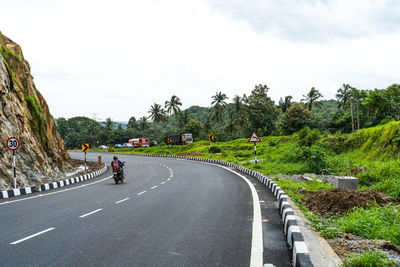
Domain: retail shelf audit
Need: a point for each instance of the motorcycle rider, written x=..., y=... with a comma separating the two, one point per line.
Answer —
x=117, y=164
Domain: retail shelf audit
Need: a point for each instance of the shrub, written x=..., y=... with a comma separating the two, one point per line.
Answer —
x=308, y=137
x=215, y=149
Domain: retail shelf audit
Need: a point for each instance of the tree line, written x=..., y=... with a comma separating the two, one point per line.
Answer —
x=352, y=109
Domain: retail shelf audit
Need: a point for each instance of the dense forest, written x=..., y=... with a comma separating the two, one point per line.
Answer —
x=352, y=110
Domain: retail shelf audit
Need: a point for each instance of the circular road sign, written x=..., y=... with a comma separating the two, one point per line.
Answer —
x=12, y=143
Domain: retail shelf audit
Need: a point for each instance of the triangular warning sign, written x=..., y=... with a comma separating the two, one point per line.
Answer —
x=254, y=137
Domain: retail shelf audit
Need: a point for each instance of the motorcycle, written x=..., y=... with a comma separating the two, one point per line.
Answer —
x=118, y=175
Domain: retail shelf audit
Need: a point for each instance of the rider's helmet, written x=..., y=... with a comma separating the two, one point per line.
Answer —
x=115, y=157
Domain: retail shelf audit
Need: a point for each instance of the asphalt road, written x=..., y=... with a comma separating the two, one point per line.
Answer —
x=168, y=212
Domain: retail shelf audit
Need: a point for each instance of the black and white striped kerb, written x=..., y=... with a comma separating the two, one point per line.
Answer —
x=48, y=186
x=295, y=239
x=74, y=180
x=16, y=192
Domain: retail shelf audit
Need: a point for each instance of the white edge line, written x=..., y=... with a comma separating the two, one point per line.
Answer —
x=122, y=200
x=31, y=236
x=257, y=248
x=141, y=193
x=90, y=213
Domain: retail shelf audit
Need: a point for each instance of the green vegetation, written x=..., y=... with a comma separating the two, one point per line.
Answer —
x=38, y=121
x=369, y=258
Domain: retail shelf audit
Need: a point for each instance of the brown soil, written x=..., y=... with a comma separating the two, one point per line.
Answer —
x=340, y=200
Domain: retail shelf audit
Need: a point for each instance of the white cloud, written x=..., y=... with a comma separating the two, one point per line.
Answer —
x=117, y=58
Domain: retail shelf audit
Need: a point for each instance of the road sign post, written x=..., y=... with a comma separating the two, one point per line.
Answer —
x=211, y=139
x=85, y=148
x=254, y=139
x=13, y=144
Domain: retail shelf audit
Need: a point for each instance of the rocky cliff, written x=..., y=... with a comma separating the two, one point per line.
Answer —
x=24, y=114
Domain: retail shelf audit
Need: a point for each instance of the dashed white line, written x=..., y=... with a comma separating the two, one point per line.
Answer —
x=122, y=200
x=162, y=182
x=169, y=179
x=154, y=187
x=90, y=213
x=141, y=193
x=31, y=236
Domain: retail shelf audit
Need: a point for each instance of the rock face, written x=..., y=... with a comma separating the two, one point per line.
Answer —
x=24, y=114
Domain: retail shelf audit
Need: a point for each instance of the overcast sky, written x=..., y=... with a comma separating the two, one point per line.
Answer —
x=117, y=58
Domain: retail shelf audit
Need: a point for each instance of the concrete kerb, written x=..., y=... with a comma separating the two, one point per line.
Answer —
x=29, y=190
x=295, y=239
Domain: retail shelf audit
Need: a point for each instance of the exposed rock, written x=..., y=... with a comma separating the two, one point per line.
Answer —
x=24, y=114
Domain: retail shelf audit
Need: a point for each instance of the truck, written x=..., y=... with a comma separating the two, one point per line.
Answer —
x=140, y=142
x=180, y=139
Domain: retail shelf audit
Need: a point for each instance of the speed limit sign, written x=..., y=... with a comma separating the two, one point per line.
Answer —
x=12, y=143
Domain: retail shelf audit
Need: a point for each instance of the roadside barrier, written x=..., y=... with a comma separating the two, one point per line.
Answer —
x=294, y=237
x=48, y=186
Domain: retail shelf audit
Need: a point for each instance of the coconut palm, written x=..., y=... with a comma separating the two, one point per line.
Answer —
x=143, y=124
x=312, y=98
x=157, y=113
x=218, y=104
x=285, y=104
x=172, y=106
x=345, y=98
x=184, y=118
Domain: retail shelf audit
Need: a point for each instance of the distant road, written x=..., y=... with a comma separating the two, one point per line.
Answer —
x=168, y=212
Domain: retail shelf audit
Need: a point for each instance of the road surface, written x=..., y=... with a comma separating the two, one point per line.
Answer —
x=168, y=212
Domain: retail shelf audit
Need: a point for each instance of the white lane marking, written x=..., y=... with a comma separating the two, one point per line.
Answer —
x=154, y=187
x=162, y=182
x=171, y=175
x=31, y=236
x=52, y=193
x=257, y=248
x=90, y=213
x=141, y=193
x=169, y=179
x=122, y=200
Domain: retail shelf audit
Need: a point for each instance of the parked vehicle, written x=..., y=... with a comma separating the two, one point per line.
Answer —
x=118, y=146
x=140, y=142
x=127, y=145
x=180, y=139
x=153, y=143
x=103, y=147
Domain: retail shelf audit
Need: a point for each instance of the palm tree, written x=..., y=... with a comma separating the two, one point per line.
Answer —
x=173, y=105
x=219, y=105
x=183, y=118
x=285, y=104
x=157, y=113
x=143, y=124
x=345, y=97
x=312, y=98
x=109, y=124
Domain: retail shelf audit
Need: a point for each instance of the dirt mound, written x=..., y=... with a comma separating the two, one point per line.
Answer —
x=341, y=200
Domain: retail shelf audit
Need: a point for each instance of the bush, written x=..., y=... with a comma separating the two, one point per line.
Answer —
x=308, y=137
x=215, y=149
x=314, y=158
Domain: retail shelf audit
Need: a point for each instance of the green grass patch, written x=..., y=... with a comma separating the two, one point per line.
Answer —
x=369, y=258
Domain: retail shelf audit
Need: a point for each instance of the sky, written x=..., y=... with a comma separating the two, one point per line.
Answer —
x=114, y=59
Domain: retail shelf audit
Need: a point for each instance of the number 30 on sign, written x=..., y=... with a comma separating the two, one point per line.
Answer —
x=12, y=143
